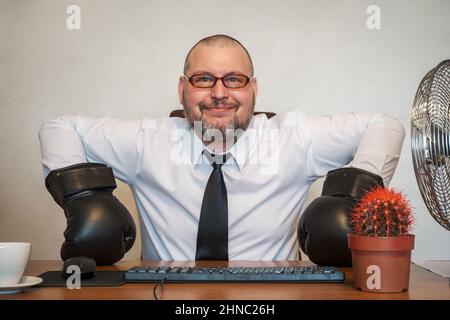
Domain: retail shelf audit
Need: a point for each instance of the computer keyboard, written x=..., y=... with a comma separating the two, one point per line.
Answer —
x=235, y=274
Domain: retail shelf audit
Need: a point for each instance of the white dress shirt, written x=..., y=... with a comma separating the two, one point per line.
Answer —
x=273, y=164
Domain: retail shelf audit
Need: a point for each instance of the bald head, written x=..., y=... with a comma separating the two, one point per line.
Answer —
x=219, y=40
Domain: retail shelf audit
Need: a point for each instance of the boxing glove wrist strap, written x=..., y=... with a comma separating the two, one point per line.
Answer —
x=350, y=182
x=73, y=179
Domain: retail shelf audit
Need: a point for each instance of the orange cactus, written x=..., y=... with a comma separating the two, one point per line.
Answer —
x=382, y=212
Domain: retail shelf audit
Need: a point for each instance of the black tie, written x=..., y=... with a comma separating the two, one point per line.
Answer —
x=212, y=237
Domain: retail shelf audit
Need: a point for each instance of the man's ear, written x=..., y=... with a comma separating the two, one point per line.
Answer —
x=254, y=84
x=181, y=81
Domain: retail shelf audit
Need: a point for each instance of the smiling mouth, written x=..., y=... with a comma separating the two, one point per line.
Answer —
x=220, y=108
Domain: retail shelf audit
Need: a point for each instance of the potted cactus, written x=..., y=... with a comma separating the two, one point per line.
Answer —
x=381, y=242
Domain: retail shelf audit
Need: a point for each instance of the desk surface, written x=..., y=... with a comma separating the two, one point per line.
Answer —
x=423, y=285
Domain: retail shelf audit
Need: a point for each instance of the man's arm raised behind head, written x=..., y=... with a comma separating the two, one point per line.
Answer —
x=73, y=139
x=380, y=146
x=369, y=141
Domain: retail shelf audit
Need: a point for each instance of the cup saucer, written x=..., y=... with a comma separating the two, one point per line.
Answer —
x=25, y=282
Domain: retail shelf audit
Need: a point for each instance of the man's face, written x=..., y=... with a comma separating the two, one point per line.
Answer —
x=218, y=107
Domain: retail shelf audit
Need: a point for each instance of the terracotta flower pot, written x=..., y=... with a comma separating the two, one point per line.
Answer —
x=381, y=264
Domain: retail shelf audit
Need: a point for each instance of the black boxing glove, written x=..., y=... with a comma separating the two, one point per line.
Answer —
x=98, y=225
x=324, y=225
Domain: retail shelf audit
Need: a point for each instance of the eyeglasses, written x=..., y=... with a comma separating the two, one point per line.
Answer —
x=232, y=81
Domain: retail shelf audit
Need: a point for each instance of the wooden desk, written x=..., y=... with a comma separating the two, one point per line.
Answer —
x=424, y=285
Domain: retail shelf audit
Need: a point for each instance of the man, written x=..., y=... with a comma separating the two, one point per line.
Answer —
x=219, y=184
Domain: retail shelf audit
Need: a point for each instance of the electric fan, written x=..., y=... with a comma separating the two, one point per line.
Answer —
x=430, y=141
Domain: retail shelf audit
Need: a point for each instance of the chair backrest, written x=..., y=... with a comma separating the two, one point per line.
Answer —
x=180, y=113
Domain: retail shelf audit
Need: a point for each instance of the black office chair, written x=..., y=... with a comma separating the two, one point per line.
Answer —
x=180, y=113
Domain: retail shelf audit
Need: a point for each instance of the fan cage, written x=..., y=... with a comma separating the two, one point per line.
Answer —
x=430, y=141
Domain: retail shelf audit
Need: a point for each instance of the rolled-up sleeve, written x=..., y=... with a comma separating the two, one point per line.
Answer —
x=74, y=139
x=370, y=141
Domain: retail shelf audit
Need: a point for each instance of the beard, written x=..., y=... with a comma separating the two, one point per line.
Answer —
x=220, y=129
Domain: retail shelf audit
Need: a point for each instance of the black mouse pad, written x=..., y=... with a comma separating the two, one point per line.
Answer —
x=101, y=279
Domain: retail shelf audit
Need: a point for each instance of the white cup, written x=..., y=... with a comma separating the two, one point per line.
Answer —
x=14, y=258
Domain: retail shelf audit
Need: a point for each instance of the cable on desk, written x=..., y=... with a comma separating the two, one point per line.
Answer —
x=155, y=288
